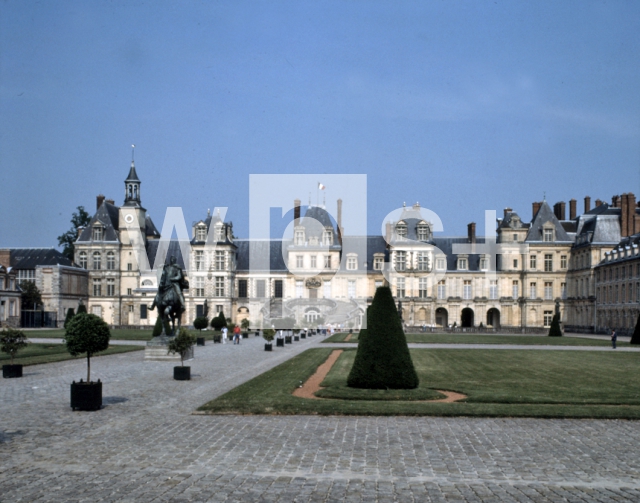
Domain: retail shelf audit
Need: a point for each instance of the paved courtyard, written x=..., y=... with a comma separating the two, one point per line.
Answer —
x=146, y=445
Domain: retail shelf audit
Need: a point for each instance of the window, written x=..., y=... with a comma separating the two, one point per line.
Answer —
x=548, y=290
x=533, y=262
x=278, y=289
x=463, y=264
x=532, y=290
x=97, y=261
x=299, y=261
x=299, y=238
x=548, y=235
x=260, y=289
x=82, y=258
x=26, y=275
x=199, y=286
x=622, y=294
x=97, y=233
x=563, y=261
x=220, y=260
x=314, y=262
x=377, y=284
x=299, y=288
x=423, y=261
x=442, y=289
x=352, y=263
x=327, y=237
x=311, y=316
x=423, y=232
x=143, y=311
x=219, y=286
x=377, y=263
x=401, y=230
x=12, y=284
x=548, y=262
x=97, y=287
x=548, y=317
x=12, y=308
x=515, y=237
x=97, y=310
x=637, y=292
x=484, y=264
x=242, y=288
x=111, y=261
x=515, y=263
x=423, y=286
x=514, y=290
x=351, y=289
x=129, y=291
x=131, y=308
x=1, y=283
x=563, y=290
x=327, y=261
x=326, y=289
x=220, y=233
x=199, y=260
x=441, y=264
x=401, y=260
x=111, y=287
x=201, y=233
x=400, y=288
x=466, y=291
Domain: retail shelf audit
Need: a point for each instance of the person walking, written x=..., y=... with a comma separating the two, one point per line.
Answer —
x=236, y=334
x=614, y=338
x=224, y=335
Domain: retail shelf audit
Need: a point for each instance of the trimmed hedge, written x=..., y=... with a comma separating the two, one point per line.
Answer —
x=383, y=360
x=635, y=338
x=554, y=329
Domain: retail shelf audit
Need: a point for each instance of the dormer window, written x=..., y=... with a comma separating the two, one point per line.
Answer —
x=463, y=264
x=352, y=262
x=327, y=237
x=299, y=238
x=97, y=233
x=201, y=233
x=378, y=262
x=548, y=235
x=423, y=231
x=220, y=234
x=484, y=263
x=401, y=230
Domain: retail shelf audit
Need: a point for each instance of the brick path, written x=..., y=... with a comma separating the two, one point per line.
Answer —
x=145, y=445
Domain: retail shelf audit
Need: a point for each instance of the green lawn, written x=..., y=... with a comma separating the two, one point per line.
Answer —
x=35, y=354
x=497, y=383
x=117, y=334
x=490, y=339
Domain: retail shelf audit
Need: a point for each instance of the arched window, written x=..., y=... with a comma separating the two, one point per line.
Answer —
x=97, y=261
x=82, y=259
x=111, y=261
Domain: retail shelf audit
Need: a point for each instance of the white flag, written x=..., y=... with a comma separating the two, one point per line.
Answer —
x=320, y=186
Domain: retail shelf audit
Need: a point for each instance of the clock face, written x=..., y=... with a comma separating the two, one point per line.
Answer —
x=128, y=218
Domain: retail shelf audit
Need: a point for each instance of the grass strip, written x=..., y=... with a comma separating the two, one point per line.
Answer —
x=35, y=354
x=560, y=384
x=116, y=334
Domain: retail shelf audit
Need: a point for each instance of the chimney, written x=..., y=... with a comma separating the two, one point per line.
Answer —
x=296, y=211
x=388, y=232
x=536, y=208
x=471, y=232
x=5, y=258
x=598, y=202
x=587, y=204
x=99, y=201
x=624, y=216
x=572, y=209
x=340, y=215
x=110, y=201
x=615, y=201
x=507, y=211
x=560, y=210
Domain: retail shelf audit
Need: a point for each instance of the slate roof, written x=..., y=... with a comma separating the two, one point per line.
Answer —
x=173, y=250
x=315, y=215
x=445, y=244
x=29, y=258
x=512, y=221
x=213, y=220
x=543, y=216
x=133, y=176
x=264, y=248
x=107, y=215
x=150, y=229
x=412, y=225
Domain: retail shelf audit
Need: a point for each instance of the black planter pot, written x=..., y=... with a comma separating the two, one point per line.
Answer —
x=268, y=347
x=86, y=395
x=200, y=341
x=182, y=373
x=217, y=338
x=279, y=343
x=245, y=335
x=10, y=371
x=257, y=333
x=303, y=335
x=287, y=339
x=296, y=338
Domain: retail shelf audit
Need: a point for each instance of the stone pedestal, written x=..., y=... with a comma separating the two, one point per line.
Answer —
x=157, y=350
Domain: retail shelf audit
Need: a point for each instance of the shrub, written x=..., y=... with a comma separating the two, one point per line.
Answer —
x=157, y=328
x=70, y=314
x=12, y=341
x=635, y=338
x=554, y=329
x=245, y=324
x=82, y=308
x=87, y=333
x=382, y=360
x=200, y=322
x=268, y=334
x=219, y=321
x=181, y=344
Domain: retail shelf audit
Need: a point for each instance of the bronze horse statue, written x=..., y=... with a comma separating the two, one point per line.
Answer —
x=169, y=299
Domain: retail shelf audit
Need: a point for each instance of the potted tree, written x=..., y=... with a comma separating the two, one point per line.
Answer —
x=244, y=325
x=296, y=334
x=200, y=323
x=12, y=341
x=217, y=322
x=268, y=334
x=182, y=344
x=86, y=333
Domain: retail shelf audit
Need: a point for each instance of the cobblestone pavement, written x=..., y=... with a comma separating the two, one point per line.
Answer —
x=145, y=445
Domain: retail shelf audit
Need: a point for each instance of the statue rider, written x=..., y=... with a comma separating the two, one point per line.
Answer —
x=172, y=277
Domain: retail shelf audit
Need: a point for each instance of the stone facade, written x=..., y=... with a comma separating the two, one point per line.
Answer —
x=9, y=296
x=62, y=287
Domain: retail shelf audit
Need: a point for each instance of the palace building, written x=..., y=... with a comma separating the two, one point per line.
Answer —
x=514, y=279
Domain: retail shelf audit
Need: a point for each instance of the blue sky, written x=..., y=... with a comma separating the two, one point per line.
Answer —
x=460, y=105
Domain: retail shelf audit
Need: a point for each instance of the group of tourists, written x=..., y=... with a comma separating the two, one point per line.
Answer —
x=236, y=334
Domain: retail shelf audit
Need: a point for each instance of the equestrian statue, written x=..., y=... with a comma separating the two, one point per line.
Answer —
x=170, y=299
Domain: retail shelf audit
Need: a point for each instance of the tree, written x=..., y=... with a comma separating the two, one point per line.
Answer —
x=635, y=338
x=70, y=314
x=157, y=328
x=12, y=341
x=268, y=334
x=87, y=333
x=554, y=329
x=201, y=322
x=182, y=343
x=31, y=296
x=383, y=360
x=245, y=324
x=79, y=219
x=82, y=308
x=219, y=321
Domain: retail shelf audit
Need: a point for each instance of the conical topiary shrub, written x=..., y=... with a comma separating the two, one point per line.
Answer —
x=635, y=338
x=554, y=329
x=383, y=360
